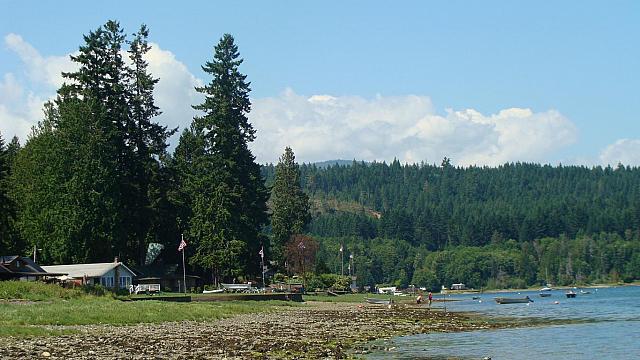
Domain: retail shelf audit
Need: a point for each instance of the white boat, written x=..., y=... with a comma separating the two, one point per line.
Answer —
x=216, y=291
x=546, y=288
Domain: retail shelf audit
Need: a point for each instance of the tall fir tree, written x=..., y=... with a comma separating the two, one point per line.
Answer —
x=7, y=205
x=289, y=204
x=222, y=180
x=149, y=219
x=95, y=156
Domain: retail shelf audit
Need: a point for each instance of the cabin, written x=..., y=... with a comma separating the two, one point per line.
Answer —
x=459, y=286
x=111, y=275
x=16, y=267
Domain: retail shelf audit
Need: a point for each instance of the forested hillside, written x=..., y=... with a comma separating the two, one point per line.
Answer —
x=513, y=225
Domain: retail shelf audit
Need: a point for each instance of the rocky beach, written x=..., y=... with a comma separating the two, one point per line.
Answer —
x=311, y=331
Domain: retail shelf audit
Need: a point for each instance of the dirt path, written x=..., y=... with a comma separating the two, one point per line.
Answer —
x=312, y=331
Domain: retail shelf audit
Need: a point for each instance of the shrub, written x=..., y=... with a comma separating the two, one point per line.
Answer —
x=35, y=291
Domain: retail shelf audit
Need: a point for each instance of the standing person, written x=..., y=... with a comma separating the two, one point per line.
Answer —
x=430, y=298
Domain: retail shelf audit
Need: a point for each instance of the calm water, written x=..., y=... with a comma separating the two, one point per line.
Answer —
x=612, y=330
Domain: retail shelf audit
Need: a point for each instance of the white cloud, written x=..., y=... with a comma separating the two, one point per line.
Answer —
x=20, y=110
x=42, y=70
x=625, y=151
x=324, y=127
x=317, y=127
x=175, y=92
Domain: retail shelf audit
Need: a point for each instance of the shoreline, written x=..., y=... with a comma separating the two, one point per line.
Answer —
x=310, y=331
x=497, y=291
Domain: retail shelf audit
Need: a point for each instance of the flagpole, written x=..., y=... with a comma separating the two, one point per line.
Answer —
x=184, y=270
x=264, y=283
x=341, y=260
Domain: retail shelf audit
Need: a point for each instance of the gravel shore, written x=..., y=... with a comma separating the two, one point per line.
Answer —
x=311, y=331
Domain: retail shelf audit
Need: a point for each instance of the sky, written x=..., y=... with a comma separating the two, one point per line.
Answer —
x=482, y=83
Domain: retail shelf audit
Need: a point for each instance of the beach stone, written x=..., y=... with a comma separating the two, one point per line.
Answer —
x=45, y=354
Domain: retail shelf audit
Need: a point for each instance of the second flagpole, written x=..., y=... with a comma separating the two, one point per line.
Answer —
x=184, y=270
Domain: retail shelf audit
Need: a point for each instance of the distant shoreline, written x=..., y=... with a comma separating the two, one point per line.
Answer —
x=484, y=291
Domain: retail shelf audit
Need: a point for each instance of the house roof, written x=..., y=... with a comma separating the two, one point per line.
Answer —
x=88, y=270
x=22, y=266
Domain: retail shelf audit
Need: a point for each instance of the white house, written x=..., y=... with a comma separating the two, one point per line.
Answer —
x=113, y=274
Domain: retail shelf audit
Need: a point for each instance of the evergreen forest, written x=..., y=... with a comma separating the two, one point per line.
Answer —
x=95, y=180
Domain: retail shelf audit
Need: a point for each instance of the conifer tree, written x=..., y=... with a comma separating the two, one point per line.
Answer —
x=289, y=204
x=7, y=206
x=94, y=156
x=223, y=181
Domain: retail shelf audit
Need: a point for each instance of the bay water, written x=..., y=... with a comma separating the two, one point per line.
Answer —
x=604, y=324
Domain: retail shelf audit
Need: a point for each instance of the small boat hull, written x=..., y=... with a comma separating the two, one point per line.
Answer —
x=379, y=301
x=570, y=294
x=545, y=294
x=504, y=300
x=216, y=291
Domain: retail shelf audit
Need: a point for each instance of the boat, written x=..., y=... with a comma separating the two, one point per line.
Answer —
x=546, y=288
x=583, y=292
x=379, y=301
x=475, y=298
x=570, y=294
x=216, y=291
x=505, y=300
x=545, y=294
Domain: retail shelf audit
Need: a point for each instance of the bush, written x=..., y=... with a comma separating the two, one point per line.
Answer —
x=36, y=290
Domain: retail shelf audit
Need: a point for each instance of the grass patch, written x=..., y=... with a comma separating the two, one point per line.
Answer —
x=37, y=291
x=104, y=310
x=27, y=331
x=41, y=304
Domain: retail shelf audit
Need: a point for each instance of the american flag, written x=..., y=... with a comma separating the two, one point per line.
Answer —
x=182, y=245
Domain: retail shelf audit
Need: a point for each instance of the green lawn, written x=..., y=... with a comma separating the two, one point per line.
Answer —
x=41, y=304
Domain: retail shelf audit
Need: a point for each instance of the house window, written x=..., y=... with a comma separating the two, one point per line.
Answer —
x=125, y=281
x=107, y=281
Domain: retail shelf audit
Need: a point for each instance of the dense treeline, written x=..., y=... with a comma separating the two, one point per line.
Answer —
x=440, y=206
x=516, y=224
x=562, y=261
x=94, y=180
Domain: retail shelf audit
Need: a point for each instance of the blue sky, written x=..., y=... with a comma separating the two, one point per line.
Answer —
x=394, y=70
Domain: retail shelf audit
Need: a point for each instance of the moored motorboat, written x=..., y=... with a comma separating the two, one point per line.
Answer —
x=585, y=292
x=546, y=288
x=570, y=294
x=545, y=294
x=506, y=300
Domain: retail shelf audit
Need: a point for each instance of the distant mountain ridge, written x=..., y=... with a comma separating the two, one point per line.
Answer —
x=325, y=164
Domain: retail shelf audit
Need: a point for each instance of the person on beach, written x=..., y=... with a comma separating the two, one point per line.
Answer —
x=430, y=298
x=419, y=299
